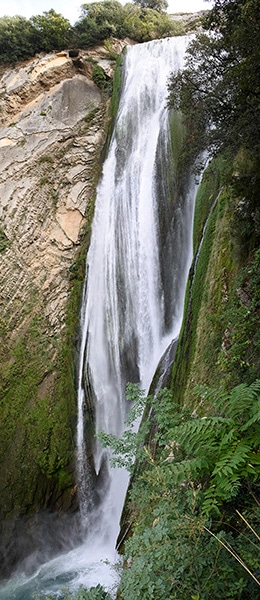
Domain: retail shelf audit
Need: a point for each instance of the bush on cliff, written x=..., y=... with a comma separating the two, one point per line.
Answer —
x=21, y=38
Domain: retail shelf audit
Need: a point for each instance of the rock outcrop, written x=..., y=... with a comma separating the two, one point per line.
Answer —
x=54, y=123
x=48, y=158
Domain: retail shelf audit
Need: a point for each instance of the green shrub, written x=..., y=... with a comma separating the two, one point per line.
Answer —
x=195, y=465
x=101, y=79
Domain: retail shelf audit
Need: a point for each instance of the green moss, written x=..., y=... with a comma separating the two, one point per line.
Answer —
x=239, y=355
x=114, y=103
x=46, y=158
x=43, y=181
x=219, y=340
x=207, y=192
x=101, y=79
x=91, y=114
x=178, y=137
x=202, y=328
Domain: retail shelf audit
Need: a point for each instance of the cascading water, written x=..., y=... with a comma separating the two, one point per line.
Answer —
x=137, y=267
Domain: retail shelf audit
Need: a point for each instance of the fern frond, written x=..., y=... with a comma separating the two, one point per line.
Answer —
x=199, y=431
x=212, y=396
x=232, y=459
x=228, y=438
x=242, y=398
x=255, y=418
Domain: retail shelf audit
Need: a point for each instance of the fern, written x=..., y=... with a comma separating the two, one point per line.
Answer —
x=218, y=452
x=199, y=431
x=222, y=449
x=237, y=455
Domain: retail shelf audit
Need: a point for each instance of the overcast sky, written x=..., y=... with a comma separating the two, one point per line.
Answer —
x=71, y=8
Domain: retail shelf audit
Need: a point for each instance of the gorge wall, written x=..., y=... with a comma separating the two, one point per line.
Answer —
x=54, y=126
x=54, y=122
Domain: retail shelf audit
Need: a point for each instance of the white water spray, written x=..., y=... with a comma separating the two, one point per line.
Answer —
x=137, y=267
x=124, y=321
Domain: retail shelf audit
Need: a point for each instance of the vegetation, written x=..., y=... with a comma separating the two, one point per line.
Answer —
x=101, y=20
x=16, y=39
x=190, y=539
x=4, y=241
x=22, y=38
x=93, y=593
x=37, y=402
x=51, y=31
x=218, y=93
x=192, y=513
x=142, y=20
x=159, y=5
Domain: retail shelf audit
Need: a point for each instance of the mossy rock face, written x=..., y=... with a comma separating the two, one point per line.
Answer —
x=36, y=439
x=219, y=341
x=32, y=403
x=39, y=337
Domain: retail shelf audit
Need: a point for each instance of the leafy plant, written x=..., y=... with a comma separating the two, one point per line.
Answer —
x=93, y=593
x=222, y=447
x=188, y=469
x=129, y=447
x=46, y=158
x=101, y=79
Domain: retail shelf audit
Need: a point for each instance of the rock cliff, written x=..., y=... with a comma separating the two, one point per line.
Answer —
x=53, y=126
x=54, y=122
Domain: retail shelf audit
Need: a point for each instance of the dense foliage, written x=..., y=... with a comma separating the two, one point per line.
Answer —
x=101, y=20
x=160, y=5
x=193, y=507
x=51, y=31
x=186, y=544
x=219, y=89
x=21, y=38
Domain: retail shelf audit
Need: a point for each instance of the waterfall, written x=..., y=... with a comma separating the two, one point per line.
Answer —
x=132, y=306
x=137, y=263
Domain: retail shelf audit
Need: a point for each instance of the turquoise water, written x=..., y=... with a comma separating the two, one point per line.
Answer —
x=86, y=565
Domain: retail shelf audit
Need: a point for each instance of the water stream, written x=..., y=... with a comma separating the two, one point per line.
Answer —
x=136, y=272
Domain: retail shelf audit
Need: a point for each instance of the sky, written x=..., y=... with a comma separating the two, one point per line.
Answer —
x=71, y=8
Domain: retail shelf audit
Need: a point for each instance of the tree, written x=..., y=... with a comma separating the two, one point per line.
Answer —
x=218, y=94
x=102, y=20
x=16, y=39
x=159, y=5
x=219, y=89
x=51, y=31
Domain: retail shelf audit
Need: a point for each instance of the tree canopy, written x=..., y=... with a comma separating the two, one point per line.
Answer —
x=160, y=5
x=21, y=38
x=16, y=39
x=218, y=91
x=141, y=22
x=51, y=30
x=144, y=20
